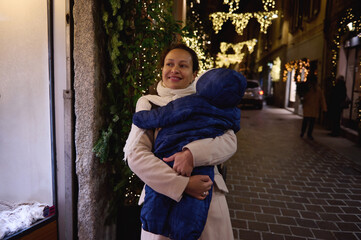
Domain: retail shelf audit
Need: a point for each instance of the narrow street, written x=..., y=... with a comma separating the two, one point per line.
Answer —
x=286, y=187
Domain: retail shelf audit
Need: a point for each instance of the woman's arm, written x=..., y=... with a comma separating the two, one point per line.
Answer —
x=204, y=152
x=154, y=172
x=213, y=151
x=160, y=177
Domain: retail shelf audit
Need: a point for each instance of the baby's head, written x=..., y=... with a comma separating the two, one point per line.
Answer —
x=222, y=87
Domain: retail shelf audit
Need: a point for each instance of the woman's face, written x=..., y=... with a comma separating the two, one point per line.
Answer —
x=177, y=72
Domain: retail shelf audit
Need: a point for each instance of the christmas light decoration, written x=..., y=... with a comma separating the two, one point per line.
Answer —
x=276, y=70
x=205, y=62
x=268, y=4
x=301, y=68
x=224, y=59
x=343, y=28
x=231, y=5
x=240, y=20
x=265, y=19
x=237, y=48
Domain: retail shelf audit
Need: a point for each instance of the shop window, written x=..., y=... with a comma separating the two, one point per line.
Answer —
x=26, y=142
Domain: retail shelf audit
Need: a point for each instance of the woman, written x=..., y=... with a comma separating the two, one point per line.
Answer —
x=179, y=70
x=313, y=101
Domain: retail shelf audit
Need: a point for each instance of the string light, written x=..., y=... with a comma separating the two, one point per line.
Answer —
x=224, y=59
x=240, y=20
x=268, y=4
x=276, y=70
x=205, y=62
x=265, y=19
x=228, y=59
x=237, y=48
x=301, y=68
x=231, y=5
x=218, y=18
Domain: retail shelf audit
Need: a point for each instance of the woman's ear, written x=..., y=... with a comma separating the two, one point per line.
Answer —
x=195, y=75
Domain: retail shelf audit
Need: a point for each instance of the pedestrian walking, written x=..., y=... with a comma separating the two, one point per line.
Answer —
x=312, y=102
x=336, y=105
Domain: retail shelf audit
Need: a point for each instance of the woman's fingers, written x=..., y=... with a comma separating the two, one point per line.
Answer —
x=199, y=186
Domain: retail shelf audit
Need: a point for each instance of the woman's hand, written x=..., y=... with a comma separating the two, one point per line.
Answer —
x=199, y=186
x=183, y=162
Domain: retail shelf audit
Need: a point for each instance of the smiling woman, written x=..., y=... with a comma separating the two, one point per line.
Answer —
x=178, y=183
x=180, y=67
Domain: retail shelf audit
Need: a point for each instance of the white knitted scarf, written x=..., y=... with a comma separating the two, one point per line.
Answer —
x=165, y=95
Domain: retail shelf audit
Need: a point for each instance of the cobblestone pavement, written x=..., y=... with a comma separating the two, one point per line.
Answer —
x=285, y=187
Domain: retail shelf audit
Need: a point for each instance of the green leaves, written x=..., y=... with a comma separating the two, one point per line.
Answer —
x=136, y=33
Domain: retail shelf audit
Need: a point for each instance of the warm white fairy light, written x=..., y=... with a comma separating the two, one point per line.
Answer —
x=240, y=20
x=224, y=59
x=231, y=4
x=276, y=69
x=218, y=18
x=268, y=4
x=205, y=62
x=237, y=48
x=265, y=19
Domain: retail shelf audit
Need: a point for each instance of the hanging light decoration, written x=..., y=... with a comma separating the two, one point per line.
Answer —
x=268, y=4
x=301, y=68
x=205, y=62
x=265, y=19
x=231, y=4
x=224, y=59
x=240, y=20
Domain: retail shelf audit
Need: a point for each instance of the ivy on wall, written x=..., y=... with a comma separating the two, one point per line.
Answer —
x=137, y=31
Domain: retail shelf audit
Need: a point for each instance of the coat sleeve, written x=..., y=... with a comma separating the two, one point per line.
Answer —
x=153, y=171
x=213, y=151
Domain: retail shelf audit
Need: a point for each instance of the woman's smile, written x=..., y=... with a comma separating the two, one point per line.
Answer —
x=177, y=72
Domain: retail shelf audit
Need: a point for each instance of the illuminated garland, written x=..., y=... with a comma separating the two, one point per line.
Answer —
x=204, y=61
x=231, y=6
x=224, y=59
x=227, y=59
x=268, y=4
x=300, y=66
x=237, y=48
x=265, y=19
x=348, y=23
x=276, y=69
x=240, y=20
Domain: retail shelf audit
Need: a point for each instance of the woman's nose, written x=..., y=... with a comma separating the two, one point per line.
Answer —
x=175, y=69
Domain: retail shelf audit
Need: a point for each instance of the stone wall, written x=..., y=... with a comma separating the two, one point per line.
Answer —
x=88, y=78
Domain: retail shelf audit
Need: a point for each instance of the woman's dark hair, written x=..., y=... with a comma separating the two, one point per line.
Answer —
x=184, y=47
